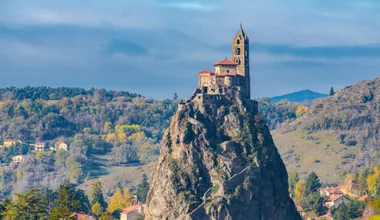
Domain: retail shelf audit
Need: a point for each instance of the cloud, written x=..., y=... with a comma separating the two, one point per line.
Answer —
x=191, y=6
x=338, y=52
x=156, y=47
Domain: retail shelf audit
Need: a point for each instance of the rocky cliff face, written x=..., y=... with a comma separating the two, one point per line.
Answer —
x=218, y=161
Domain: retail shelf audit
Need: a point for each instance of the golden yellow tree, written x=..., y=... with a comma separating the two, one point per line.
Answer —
x=129, y=198
x=107, y=127
x=117, y=201
x=301, y=109
x=300, y=189
x=373, y=179
x=97, y=209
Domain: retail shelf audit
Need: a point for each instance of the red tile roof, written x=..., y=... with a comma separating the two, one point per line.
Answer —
x=363, y=198
x=206, y=72
x=336, y=190
x=334, y=198
x=132, y=208
x=299, y=208
x=324, y=217
x=226, y=62
x=81, y=216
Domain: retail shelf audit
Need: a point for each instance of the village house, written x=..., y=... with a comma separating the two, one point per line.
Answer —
x=82, y=216
x=39, y=146
x=300, y=210
x=17, y=159
x=61, y=145
x=364, y=198
x=9, y=143
x=335, y=201
x=132, y=212
x=330, y=191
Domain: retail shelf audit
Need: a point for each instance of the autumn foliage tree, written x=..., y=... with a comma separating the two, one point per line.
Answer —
x=300, y=189
x=120, y=200
x=301, y=110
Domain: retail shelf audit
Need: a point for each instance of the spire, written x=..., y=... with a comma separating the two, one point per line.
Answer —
x=241, y=31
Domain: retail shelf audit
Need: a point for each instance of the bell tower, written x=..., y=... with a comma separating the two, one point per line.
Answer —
x=240, y=55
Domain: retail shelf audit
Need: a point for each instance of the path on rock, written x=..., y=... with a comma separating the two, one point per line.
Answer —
x=206, y=193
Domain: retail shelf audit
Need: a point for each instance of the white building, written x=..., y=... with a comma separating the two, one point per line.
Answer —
x=17, y=159
x=335, y=201
x=132, y=212
x=39, y=146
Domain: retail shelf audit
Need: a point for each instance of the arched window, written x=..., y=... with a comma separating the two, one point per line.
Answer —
x=238, y=41
x=238, y=61
x=237, y=51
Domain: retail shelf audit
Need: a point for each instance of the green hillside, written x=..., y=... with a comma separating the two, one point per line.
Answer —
x=105, y=130
x=338, y=134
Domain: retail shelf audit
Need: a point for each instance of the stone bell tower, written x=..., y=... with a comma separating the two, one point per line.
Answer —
x=240, y=55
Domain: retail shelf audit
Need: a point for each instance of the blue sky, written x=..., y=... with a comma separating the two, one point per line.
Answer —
x=157, y=47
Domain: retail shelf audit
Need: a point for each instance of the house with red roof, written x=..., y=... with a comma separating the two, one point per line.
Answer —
x=331, y=191
x=82, y=216
x=364, y=198
x=336, y=200
x=133, y=212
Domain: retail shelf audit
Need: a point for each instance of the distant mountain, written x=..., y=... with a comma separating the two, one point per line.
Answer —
x=301, y=96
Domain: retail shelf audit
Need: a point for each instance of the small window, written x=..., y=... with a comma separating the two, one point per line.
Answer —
x=228, y=71
x=237, y=51
x=246, y=53
x=238, y=41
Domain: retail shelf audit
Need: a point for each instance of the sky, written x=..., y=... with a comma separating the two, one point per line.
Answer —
x=157, y=47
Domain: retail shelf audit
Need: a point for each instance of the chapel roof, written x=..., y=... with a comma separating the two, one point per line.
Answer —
x=226, y=62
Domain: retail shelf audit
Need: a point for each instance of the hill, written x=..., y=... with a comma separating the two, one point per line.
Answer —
x=301, y=96
x=338, y=134
x=120, y=127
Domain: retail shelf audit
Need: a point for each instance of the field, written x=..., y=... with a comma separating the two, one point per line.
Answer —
x=111, y=176
x=319, y=152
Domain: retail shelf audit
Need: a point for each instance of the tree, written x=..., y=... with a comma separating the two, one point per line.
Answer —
x=117, y=201
x=175, y=97
x=332, y=91
x=106, y=216
x=50, y=196
x=97, y=194
x=293, y=178
x=66, y=203
x=373, y=179
x=300, y=189
x=301, y=110
x=312, y=183
x=97, y=209
x=313, y=202
x=30, y=205
x=341, y=213
x=355, y=209
x=4, y=204
x=143, y=189
x=129, y=198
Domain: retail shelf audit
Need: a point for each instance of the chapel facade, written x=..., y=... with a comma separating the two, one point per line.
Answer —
x=229, y=74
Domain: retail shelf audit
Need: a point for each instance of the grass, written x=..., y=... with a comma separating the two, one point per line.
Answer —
x=319, y=152
x=111, y=176
x=215, y=189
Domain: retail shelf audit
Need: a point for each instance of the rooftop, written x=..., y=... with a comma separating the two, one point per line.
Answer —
x=226, y=62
